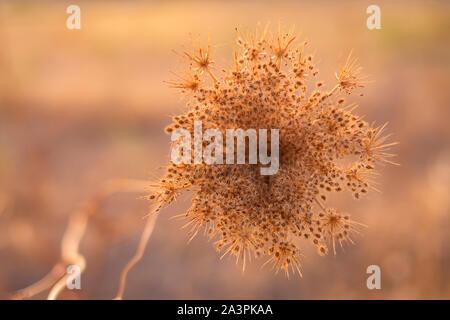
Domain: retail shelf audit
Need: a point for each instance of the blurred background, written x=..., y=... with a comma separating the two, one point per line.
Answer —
x=78, y=107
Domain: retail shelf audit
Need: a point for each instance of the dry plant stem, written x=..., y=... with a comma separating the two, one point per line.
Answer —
x=146, y=234
x=72, y=238
x=320, y=205
x=41, y=285
x=70, y=244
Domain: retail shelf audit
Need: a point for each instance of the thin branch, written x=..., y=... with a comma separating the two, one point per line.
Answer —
x=321, y=205
x=45, y=283
x=72, y=238
x=146, y=234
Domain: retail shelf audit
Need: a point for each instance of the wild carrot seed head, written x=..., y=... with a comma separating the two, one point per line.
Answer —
x=271, y=86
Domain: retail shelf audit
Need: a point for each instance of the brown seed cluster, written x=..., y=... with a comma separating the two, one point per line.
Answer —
x=324, y=147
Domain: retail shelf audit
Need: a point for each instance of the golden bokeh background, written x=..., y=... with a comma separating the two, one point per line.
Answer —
x=78, y=107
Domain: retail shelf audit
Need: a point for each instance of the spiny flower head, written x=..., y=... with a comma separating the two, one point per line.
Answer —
x=187, y=82
x=324, y=147
x=349, y=76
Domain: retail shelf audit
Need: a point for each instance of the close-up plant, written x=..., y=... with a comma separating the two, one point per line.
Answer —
x=223, y=151
x=324, y=147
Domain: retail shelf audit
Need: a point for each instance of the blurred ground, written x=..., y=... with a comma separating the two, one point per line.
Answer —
x=78, y=107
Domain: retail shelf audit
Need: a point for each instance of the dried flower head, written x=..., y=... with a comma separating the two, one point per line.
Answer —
x=324, y=148
x=349, y=76
x=187, y=82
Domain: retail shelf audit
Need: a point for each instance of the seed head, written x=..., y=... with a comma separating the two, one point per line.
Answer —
x=324, y=147
x=349, y=76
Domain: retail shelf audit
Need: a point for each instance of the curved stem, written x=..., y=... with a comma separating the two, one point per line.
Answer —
x=146, y=234
x=73, y=236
